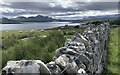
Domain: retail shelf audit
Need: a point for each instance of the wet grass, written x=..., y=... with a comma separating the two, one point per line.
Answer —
x=113, y=65
x=36, y=47
x=33, y=44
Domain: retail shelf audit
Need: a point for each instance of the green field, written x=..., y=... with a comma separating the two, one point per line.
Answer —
x=33, y=44
x=113, y=52
x=41, y=44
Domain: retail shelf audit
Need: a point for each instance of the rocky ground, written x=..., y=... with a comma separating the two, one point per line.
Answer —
x=84, y=53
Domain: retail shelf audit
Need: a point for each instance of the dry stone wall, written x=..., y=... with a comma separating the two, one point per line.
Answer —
x=83, y=54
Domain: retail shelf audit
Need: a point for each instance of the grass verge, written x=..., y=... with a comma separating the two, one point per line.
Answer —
x=113, y=52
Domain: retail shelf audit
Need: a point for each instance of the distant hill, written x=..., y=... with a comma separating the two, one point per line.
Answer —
x=8, y=21
x=38, y=18
x=104, y=17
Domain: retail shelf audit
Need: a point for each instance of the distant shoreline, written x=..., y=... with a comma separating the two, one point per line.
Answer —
x=38, y=26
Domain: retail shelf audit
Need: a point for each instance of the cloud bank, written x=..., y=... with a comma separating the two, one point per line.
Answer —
x=67, y=9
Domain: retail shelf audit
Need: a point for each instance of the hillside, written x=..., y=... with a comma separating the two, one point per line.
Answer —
x=8, y=21
x=38, y=18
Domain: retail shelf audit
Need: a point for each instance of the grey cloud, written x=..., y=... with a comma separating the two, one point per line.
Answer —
x=102, y=6
x=81, y=6
x=45, y=8
x=41, y=6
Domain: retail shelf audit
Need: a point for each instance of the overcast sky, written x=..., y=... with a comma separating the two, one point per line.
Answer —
x=65, y=9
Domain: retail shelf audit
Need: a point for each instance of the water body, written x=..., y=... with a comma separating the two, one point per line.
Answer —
x=34, y=26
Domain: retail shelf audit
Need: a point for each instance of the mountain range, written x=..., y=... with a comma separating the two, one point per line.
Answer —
x=40, y=18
